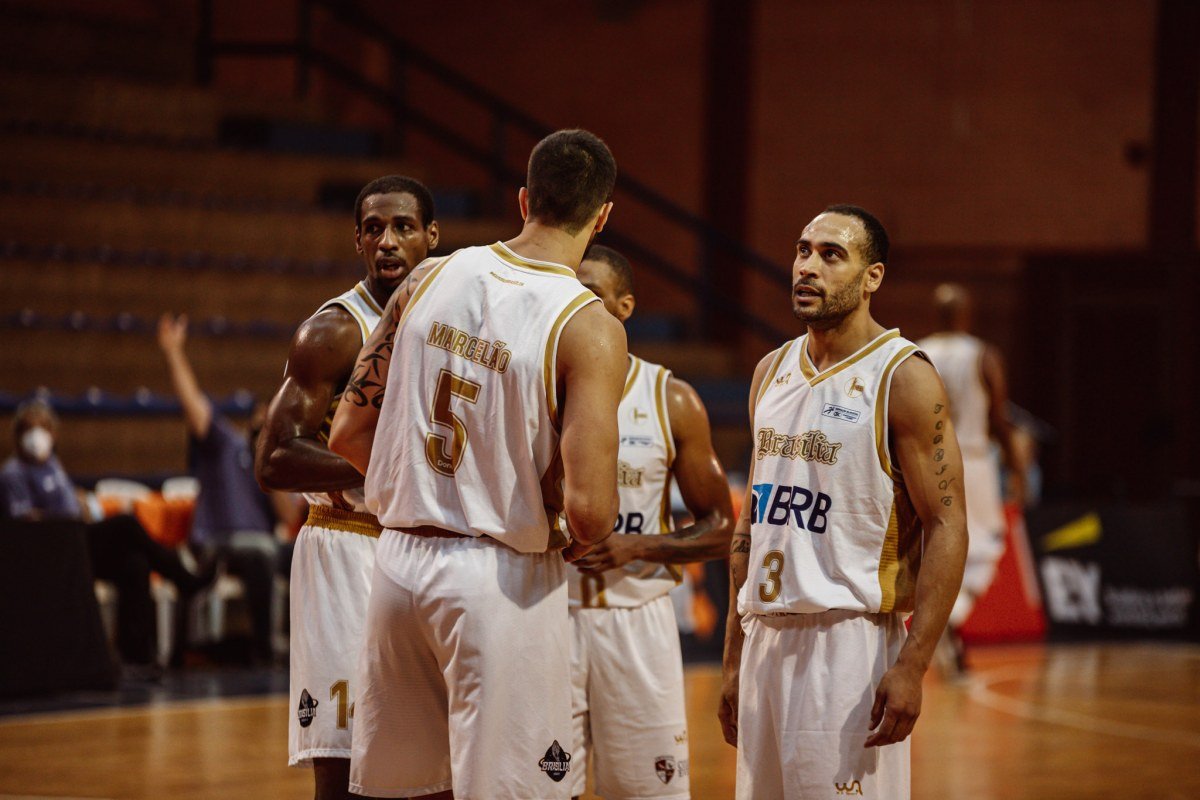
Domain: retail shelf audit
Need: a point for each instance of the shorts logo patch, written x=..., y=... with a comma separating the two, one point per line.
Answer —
x=665, y=767
x=850, y=787
x=556, y=763
x=307, y=711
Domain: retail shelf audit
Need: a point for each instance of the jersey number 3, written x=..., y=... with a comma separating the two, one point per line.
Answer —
x=445, y=454
x=768, y=590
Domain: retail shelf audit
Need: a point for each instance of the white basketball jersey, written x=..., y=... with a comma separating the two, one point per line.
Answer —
x=831, y=524
x=468, y=433
x=644, y=460
x=958, y=358
x=366, y=312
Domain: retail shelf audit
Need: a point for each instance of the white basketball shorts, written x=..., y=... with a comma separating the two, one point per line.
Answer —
x=331, y=583
x=464, y=678
x=807, y=686
x=627, y=685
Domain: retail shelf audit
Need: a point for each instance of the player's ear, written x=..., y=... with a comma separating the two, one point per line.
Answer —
x=625, y=307
x=875, y=277
x=358, y=239
x=432, y=233
x=523, y=202
x=602, y=219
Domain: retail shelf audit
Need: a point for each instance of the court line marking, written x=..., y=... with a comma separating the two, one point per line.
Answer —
x=981, y=692
x=123, y=712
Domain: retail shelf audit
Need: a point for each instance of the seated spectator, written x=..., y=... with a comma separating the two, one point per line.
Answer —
x=234, y=521
x=34, y=485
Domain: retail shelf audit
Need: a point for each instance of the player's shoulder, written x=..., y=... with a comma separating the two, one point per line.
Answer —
x=327, y=343
x=915, y=385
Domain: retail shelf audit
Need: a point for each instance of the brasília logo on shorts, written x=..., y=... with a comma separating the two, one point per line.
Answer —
x=307, y=709
x=556, y=763
x=780, y=504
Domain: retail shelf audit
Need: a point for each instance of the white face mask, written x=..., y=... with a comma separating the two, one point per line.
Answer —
x=37, y=443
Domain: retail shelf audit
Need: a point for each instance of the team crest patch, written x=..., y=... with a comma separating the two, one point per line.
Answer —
x=307, y=711
x=556, y=763
x=855, y=387
x=665, y=767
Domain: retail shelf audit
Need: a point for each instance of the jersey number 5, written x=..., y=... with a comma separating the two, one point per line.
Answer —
x=442, y=454
x=768, y=590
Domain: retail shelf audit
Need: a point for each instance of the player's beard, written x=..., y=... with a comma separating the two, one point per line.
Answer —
x=834, y=308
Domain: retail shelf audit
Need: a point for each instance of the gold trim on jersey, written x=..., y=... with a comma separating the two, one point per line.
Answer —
x=505, y=253
x=664, y=419
x=780, y=355
x=361, y=290
x=548, y=371
x=889, y=564
x=810, y=373
x=420, y=292
x=344, y=303
x=635, y=366
x=881, y=407
x=591, y=591
x=338, y=519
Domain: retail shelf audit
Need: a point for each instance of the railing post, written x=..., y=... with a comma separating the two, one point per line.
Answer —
x=204, y=43
x=303, y=47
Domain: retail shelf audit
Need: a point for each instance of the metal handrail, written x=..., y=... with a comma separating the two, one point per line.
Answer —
x=504, y=116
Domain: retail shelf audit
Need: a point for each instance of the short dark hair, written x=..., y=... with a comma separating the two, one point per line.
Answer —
x=571, y=174
x=36, y=406
x=618, y=263
x=875, y=249
x=400, y=184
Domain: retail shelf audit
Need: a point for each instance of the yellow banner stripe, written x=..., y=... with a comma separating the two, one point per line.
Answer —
x=1082, y=532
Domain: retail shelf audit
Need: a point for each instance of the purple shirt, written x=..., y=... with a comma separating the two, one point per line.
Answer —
x=44, y=487
x=230, y=500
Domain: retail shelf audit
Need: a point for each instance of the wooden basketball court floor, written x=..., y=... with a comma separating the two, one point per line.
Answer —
x=1083, y=721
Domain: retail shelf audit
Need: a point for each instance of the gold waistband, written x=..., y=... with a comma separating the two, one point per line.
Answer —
x=339, y=520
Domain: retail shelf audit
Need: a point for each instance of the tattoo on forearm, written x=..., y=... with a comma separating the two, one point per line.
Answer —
x=366, y=385
x=740, y=544
x=939, y=454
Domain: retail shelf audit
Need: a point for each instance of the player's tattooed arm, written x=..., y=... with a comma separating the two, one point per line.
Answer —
x=929, y=465
x=367, y=383
x=739, y=569
x=353, y=431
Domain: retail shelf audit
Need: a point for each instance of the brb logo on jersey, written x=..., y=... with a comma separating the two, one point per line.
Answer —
x=781, y=504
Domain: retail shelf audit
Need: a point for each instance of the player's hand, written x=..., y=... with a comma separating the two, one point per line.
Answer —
x=172, y=332
x=575, y=550
x=728, y=711
x=897, y=706
x=615, y=551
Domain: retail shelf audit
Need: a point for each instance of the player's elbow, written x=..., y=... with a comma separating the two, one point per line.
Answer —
x=591, y=518
x=271, y=470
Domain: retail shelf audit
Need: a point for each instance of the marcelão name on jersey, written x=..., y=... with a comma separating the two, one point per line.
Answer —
x=492, y=355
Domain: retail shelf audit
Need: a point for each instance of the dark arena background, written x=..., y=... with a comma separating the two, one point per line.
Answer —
x=202, y=158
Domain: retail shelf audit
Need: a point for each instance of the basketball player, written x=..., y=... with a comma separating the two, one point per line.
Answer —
x=973, y=372
x=394, y=230
x=499, y=401
x=854, y=516
x=627, y=669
